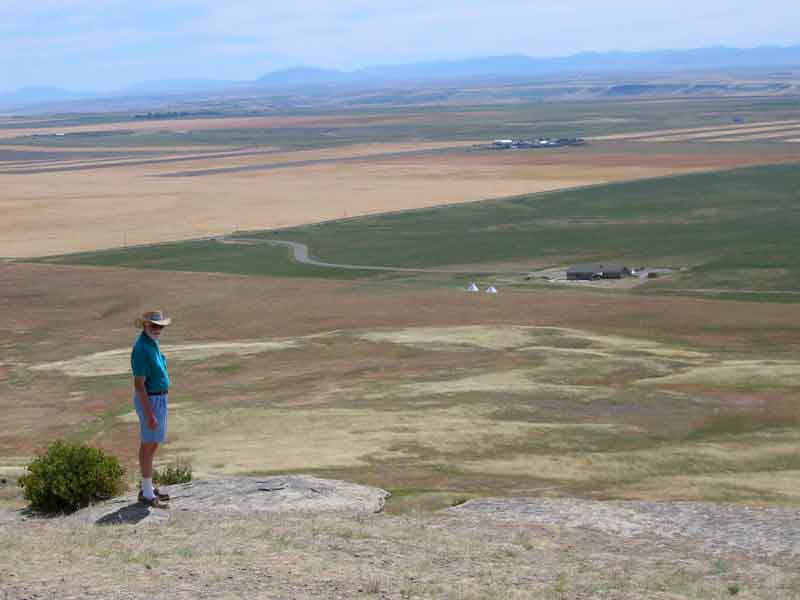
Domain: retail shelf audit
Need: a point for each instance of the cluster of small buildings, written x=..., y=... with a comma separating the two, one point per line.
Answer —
x=538, y=143
x=592, y=271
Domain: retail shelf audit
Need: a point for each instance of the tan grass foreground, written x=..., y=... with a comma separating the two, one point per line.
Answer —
x=426, y=556
x=401, y=380
x=584, y=393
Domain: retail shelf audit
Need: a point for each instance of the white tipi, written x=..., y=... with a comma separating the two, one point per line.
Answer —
x=472, y=287
x=491, y=290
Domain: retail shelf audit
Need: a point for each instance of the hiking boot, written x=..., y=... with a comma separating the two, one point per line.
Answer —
x=155, y=502
x=160, y=496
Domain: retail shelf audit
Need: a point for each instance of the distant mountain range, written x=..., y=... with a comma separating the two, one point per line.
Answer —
x=518, y=65
x=36, y=94
x=493, y=67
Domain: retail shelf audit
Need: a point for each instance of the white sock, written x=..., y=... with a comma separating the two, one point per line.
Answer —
x=147, y=489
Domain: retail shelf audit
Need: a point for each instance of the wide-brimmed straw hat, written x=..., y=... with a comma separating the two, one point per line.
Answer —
x=156, y=317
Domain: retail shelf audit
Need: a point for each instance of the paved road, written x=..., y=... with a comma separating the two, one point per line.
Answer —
x=302, y=255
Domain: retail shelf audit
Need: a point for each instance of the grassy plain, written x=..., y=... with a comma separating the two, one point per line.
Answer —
x=103, y=177
x=429, y=392
x=731, y=230
x=403, y=381
x=109, y=205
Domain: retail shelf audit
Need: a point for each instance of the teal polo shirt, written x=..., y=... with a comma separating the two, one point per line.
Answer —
x=148, y=362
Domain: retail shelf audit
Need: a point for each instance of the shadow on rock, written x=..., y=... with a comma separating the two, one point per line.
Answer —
x=132, y=513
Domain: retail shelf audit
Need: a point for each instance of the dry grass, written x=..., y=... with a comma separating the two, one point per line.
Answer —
x=783, y=486
x=343, y=556
x=539, y=391
x=42, y=206
x=244, y=440
x=696, y=463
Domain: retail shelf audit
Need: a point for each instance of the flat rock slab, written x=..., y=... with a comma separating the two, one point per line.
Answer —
x=8, y=517
x=286, y=493
x=766, y=532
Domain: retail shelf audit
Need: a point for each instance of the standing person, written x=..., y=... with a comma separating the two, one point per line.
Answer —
x=151, y=387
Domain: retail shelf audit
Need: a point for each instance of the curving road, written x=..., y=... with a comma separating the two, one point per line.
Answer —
x=301, y=254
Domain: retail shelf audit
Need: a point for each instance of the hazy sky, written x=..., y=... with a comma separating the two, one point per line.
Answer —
x=107, y=44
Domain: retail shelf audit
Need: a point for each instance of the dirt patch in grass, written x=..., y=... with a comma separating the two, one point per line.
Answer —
x=115, y=362
x=509, y=382
x=736, y=374
x=490, y=338
x=502, y=337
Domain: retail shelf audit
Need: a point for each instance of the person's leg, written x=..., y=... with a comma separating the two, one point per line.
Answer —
x=147, y=451
x=149, y=442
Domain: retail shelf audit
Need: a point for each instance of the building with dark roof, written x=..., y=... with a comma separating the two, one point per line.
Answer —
x=591, y=271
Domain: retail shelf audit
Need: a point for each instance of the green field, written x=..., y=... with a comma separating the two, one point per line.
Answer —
x=730, y=230
x=207, y=256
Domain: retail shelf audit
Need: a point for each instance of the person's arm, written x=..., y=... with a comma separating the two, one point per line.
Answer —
x=141, y=391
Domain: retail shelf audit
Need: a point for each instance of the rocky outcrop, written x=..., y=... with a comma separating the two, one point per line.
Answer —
x=285, y=493
x=717, y=528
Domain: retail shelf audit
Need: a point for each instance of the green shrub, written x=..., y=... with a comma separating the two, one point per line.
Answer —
x=70, y=476
x=177, y=472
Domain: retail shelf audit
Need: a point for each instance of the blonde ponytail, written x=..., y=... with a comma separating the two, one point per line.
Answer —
x=139, y=323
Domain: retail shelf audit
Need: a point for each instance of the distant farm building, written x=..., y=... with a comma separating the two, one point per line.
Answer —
x=590, y=272
x=508, y=144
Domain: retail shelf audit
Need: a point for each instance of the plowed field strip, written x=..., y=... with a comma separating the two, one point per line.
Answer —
x=108, y=163
x=693, y=130
x=757, y=136
x=278, y=158
x=710, y=134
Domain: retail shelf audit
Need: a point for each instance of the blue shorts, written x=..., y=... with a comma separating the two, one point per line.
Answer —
x=159, y=404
